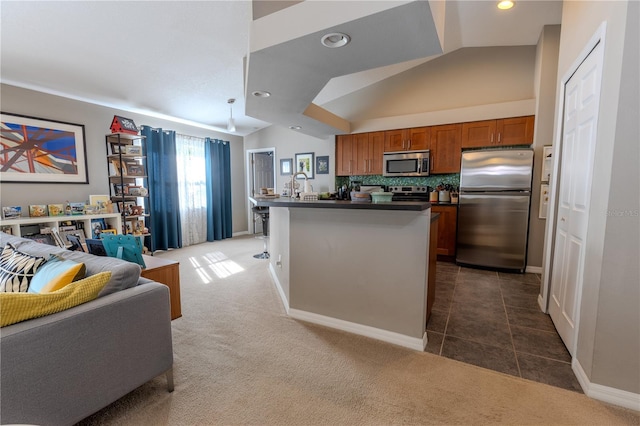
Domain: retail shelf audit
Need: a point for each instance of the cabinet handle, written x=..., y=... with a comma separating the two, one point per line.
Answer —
x=491, y=137
x=350, y=166
x=403, y=141
x=499, y=137
x=409, y=146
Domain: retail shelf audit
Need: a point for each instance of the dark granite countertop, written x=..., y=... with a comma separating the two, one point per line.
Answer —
x=341, y=204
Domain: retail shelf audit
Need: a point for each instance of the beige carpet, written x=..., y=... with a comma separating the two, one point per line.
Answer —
x=240, y=360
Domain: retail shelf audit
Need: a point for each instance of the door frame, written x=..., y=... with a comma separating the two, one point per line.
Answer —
x=549, y=243
x=249, y=180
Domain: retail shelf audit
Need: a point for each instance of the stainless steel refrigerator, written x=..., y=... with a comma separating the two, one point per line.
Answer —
x=493, y=215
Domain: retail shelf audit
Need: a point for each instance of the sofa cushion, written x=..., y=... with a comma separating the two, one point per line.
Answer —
x=55, y=274
x=17, y=269
x=16, y=307
x=123, y=274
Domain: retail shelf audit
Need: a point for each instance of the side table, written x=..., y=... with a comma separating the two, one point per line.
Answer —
x=167, y=272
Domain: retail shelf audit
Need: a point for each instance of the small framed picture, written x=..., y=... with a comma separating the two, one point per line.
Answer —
x=305, y=163
x=77, y=208
x=322, y=165
x=133, y=150
x=56, y=209
x=286, y=167
x=91, y=209
x=118, y=167
x=11, y=212
x=120, y=189
x=102, y=201
x=136, y=191
x=38, y=210
x=135, y=169
x=116, y=148
x=109, y=231
x=97, y=226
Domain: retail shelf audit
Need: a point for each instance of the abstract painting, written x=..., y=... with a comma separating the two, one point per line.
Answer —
x=34, y=150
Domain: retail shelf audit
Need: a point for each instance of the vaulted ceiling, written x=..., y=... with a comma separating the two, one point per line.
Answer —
x=183, y=60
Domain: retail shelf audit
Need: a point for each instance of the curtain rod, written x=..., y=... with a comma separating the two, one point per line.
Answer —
x=189, y=136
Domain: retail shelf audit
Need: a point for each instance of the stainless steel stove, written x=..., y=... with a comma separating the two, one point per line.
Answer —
x=410, y=193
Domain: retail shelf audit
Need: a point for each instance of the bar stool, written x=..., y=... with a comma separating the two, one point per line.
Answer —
x=264, y=215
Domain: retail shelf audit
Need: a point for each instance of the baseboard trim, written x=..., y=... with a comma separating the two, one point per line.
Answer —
x=605, y=393
x=363, y=330
x=533, y=269
x=237, y=234
x=276, y=281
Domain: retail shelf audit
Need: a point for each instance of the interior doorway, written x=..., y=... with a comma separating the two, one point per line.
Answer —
x=260, y=174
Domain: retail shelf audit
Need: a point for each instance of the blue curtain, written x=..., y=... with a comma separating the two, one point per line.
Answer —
x=163, y=201
x=218, y=169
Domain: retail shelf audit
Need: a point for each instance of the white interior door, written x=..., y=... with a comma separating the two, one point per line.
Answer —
x=581, y=105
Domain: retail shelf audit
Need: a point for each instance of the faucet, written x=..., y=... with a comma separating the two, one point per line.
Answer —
x=293, y=178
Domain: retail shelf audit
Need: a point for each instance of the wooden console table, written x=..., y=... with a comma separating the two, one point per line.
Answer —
x=167, y=272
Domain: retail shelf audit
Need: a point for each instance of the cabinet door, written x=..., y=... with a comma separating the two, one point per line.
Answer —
x=344, y=155
x=394, y=140
x=478, y=134
x=447, y=224
x=445, y=148
x=515, y=131
x=376, y=151
x=360, y=163
x=418, y=138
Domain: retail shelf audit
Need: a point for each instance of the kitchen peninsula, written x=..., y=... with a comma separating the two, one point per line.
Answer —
x=355, y=266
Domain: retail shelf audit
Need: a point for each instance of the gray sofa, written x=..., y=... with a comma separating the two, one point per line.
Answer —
x=61, y=368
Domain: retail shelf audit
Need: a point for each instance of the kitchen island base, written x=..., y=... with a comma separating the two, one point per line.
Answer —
x=357, y=270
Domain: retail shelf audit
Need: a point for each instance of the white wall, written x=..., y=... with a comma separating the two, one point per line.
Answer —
x=545, y=88
x=609, y=330
x=97, y=120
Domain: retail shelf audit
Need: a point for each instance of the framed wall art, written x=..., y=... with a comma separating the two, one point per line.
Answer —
x=305, y=163
x=322, y=164
x=36, y=150
x=286, y=167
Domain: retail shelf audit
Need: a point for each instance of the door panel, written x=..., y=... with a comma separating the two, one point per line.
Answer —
x=582, y=101
x=492, y=230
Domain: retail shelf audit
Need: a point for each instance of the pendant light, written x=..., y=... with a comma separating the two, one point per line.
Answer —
x=231, y=125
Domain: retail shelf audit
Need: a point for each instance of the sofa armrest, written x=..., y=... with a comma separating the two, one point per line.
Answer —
x=63, y=367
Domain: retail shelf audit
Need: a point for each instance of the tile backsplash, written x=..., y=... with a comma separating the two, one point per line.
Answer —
x=431, y=181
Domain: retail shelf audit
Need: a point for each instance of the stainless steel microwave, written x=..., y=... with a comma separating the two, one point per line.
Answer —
x=406, y=163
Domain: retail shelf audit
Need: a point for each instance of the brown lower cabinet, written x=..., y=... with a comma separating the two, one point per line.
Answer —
x=447, y=225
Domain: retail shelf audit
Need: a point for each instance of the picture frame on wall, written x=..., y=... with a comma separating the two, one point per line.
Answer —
x=322, y=164
x=305, y=163
x=42, y=150
x=286, y=166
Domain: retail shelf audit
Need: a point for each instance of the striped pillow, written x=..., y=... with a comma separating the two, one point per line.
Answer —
x=17, y=269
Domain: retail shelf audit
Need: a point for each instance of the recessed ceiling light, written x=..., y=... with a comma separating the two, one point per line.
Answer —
x=334, y=40
x=505, y=4
x=261, y=94
x=295, y=127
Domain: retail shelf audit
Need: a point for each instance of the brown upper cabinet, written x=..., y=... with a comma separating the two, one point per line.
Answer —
x=506, y=131
x=445, y=148
x=414, y=139
x=344, y=155
x=359, y=154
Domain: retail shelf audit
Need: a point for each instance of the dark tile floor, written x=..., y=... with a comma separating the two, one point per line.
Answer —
x=492, y=320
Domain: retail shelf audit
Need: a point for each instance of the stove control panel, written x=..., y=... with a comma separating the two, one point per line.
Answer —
x=408, y=189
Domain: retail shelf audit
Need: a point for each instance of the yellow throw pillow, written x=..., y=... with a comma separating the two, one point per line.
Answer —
x=16, y=307
x=55, y=274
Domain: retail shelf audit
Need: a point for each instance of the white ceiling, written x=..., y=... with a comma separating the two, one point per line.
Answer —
x=182, y=59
